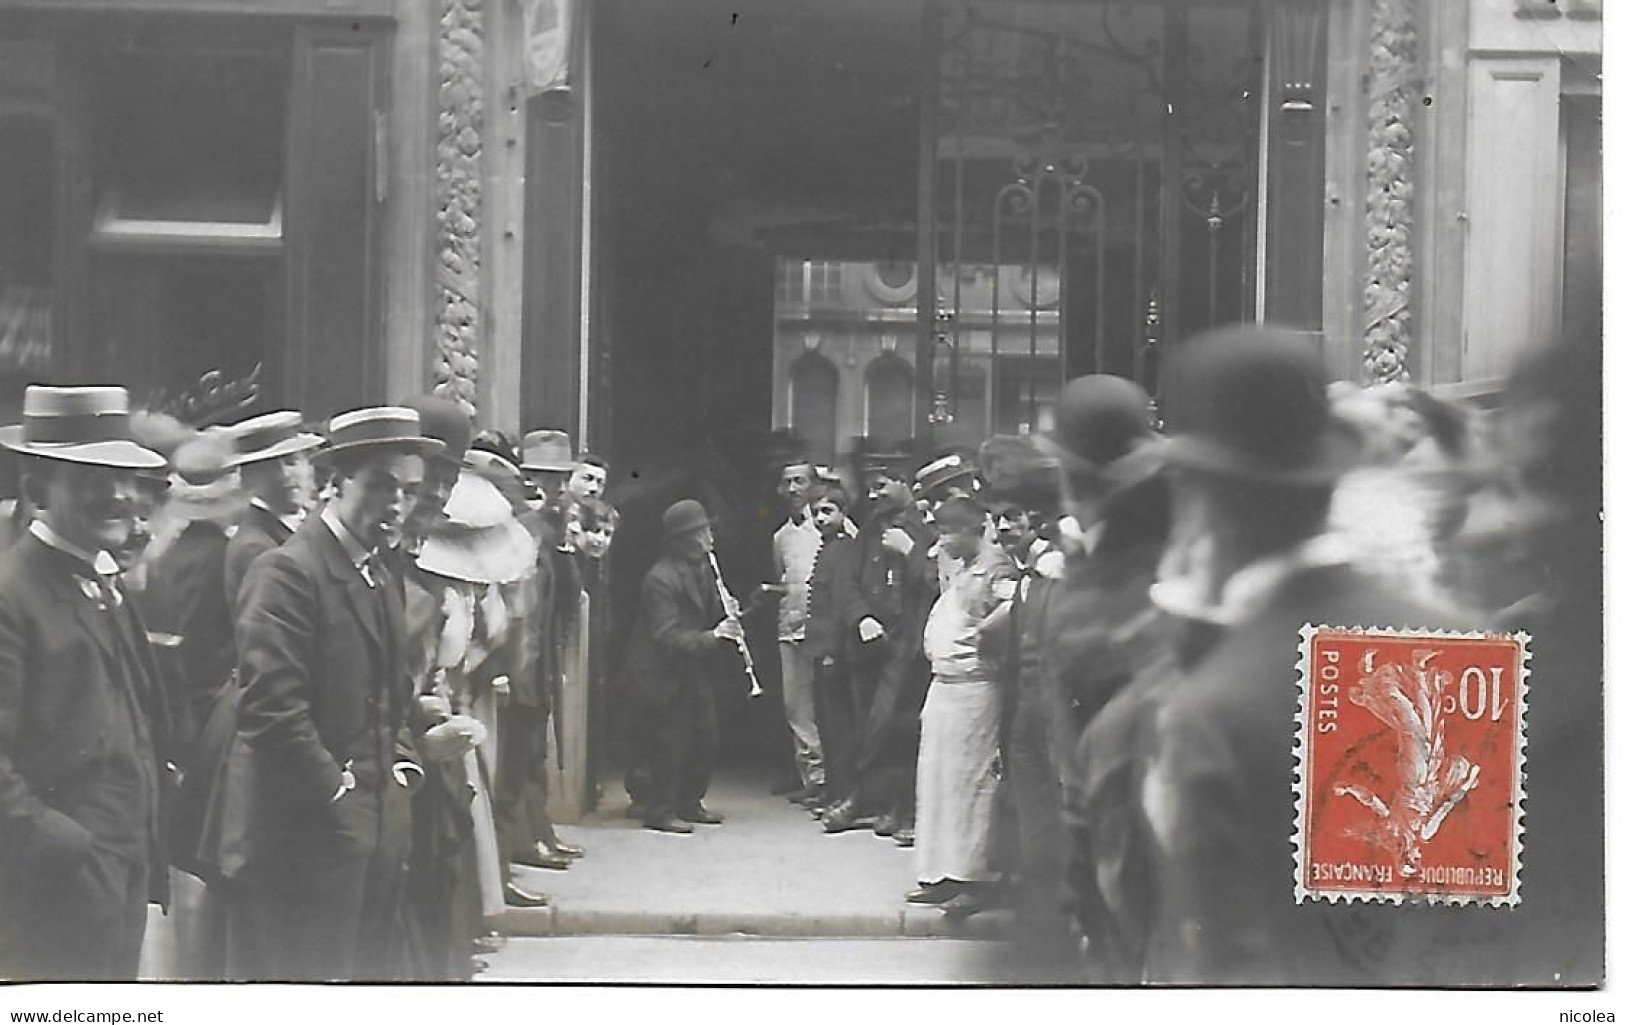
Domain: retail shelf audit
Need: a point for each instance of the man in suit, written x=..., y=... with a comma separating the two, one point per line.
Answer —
x=82, y=718
x=273, y=459
x=326, y=716
x=679, y=636
x=1250, y=561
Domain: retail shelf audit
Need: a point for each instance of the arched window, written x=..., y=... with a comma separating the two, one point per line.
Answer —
x=889, y=401
x=814, y=384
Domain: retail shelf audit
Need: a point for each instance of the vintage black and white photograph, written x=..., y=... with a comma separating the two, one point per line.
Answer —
x=820, y=493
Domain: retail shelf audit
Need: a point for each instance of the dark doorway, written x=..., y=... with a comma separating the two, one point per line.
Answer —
x=725, y=138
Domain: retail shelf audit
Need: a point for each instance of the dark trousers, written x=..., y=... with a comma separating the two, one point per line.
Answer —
x=331, y=906
x=890, y=744
x=519, y=800
x=1034, y=783
x=443, y=900
x=683, y=750
x=81, y=922
x=835, y=706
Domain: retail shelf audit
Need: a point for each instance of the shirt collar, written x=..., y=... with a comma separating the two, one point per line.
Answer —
x=1252, y=587
x=291, y=520
x=99, y=562
x=353, y=549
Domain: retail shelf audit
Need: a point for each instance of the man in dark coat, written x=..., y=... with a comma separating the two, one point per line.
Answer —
x=82, y=719
x=273, y=458
x=325, y=715
x=895, y=584
x=1252, y=473
x=680, y=635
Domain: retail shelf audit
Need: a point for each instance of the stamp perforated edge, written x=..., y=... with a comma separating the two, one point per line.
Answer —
x=1300, y=786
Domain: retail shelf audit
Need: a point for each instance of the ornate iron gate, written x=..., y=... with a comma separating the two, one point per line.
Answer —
x=1093, y=175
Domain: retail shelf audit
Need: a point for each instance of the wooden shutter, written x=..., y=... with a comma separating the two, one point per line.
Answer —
x=332, y=220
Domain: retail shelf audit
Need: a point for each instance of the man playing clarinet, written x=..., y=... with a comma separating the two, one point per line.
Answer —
x=682, y=633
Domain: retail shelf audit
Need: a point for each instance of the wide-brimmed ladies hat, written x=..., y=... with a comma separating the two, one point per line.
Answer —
x=379, y=427
x=479, y=540
x=548, y=450
x=87, y=424
x=270, y=436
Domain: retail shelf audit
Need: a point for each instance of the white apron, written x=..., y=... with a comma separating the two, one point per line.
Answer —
x=957, y=778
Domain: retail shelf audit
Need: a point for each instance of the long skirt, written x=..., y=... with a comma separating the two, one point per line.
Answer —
x=956, y=780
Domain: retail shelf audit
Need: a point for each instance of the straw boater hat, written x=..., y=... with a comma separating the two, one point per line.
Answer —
x=548, y=450
x=86, y=424
x=380, y=427
x=270, y=436
x=479, y=541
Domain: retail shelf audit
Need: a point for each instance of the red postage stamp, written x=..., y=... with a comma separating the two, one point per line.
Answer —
x=1410, y=775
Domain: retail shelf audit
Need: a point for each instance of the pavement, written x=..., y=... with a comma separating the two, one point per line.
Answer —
x=701, y=961
x=769, y=870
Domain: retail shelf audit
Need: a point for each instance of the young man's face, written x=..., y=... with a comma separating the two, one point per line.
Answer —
x=587, y=481
x=93, y=507
x=285, y=484
x=149, y=498
x=887, y=492
x=429, y=501
x=794, y=485
x=828, y=516
x=964, y=540
x=373, y=503
x=1014, y=527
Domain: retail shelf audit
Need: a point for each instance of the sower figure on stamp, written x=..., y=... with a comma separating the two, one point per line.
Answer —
x=1252, y=473
x=82, y=717
x=325, y=721
x=680, y=639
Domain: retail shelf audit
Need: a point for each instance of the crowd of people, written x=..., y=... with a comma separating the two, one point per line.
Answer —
x=300, y=686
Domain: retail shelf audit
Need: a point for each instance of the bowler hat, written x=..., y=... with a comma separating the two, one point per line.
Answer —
x=381, y=427
x=445, y=421
x=270, y=436
x=1015, y=469
x=86, y=424
x=1251, y=404
x=683, y=517
x=1103, y=432
x=548, y=450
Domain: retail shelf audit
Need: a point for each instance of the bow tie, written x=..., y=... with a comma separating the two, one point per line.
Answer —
x=102, y=589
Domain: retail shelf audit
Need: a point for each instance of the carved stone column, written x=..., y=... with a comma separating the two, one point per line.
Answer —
x=458, y=154
x=1395, y=82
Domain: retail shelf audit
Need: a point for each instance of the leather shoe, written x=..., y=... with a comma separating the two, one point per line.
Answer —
x=668, y=825
x=516, y=896
x=702, y=815
x=903, y=838
x=565, y=850
x=933, y=893
x=490, y=943
x=540, y=857
x=841, y=817
x=886, y=825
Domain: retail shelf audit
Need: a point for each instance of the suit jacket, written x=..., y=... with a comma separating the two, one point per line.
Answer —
x=257, y=533
x=83, y=726
x=322, y=663
x=673, y=649
x=186, y=597
x=895, y=590
x=1219, y=793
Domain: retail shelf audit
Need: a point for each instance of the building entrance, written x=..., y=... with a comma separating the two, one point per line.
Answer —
x=901, y=221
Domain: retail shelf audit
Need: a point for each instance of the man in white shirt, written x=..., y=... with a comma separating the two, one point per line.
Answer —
x=795, y=550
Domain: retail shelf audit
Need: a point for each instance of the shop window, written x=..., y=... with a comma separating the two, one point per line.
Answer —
x=28, y=167
x=823, y=281
x=814, y=392
x=190, y=151
x=889, y=401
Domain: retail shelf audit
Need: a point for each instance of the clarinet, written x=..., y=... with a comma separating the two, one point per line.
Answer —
x=730, y=605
